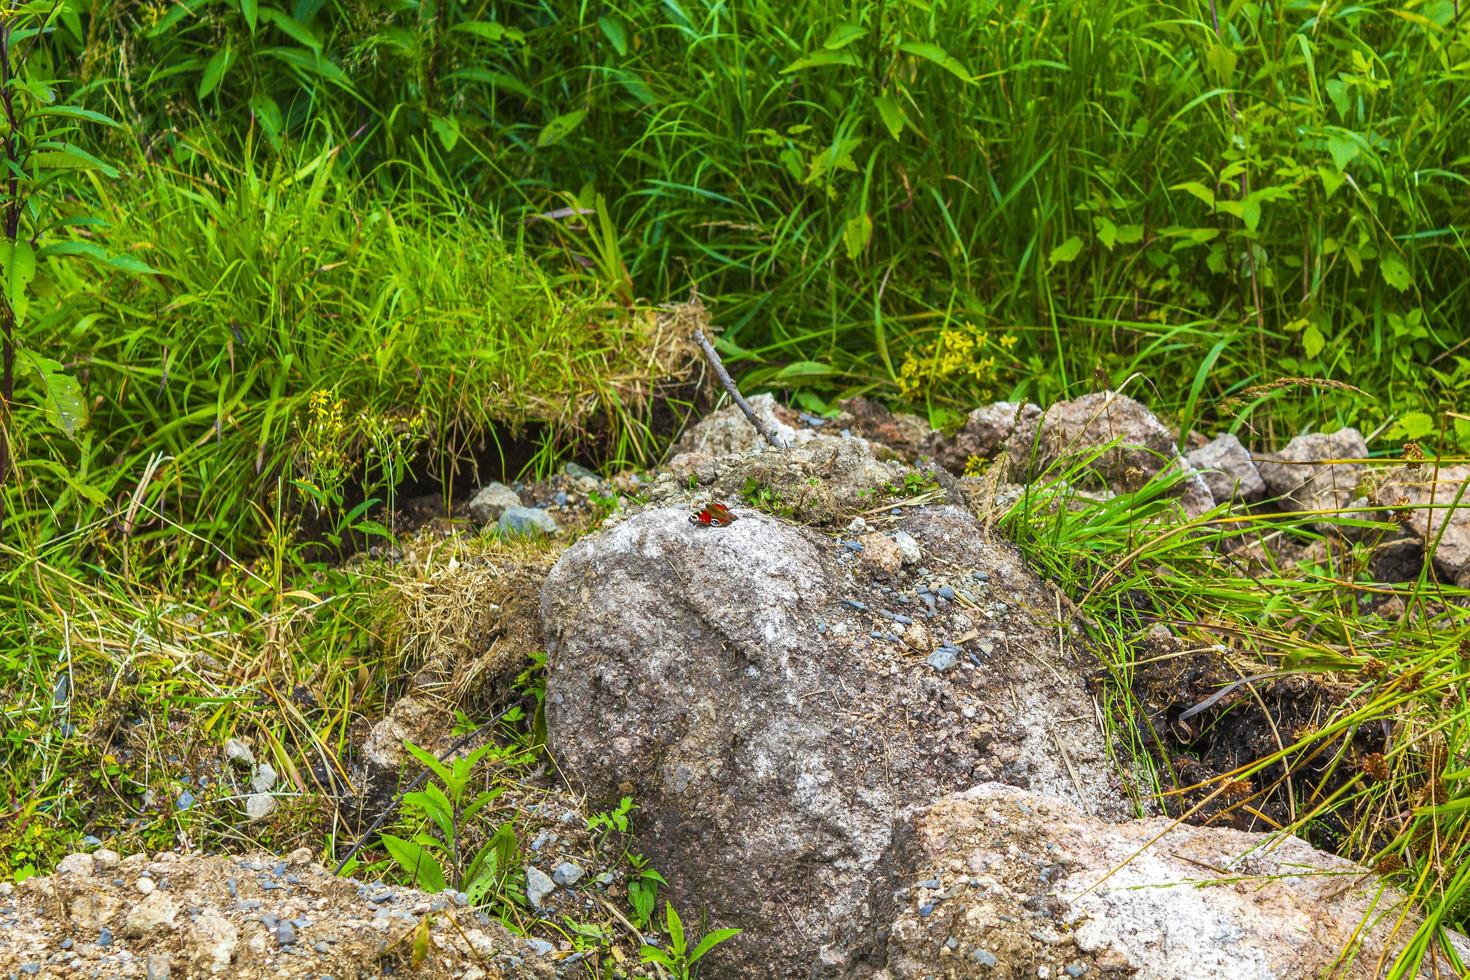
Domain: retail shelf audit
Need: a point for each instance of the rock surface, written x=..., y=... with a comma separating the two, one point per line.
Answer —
x=983, y=435
x=526, y=520
x=492, y=500
x=1439, y=514
x=1000, y=882
x=1076, y=430
x=752, y=688
x=253, y=916
x=727, y=431
x=1303, y=475
x=1227, y=469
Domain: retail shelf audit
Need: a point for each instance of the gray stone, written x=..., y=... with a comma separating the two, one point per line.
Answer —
x=908, y=548
x=159, y=967
x=567, y=874
x=540, y=946
x=105, y=859
x=983, y=435
x=727, y=431
x=1119, y=902
x=258, y=806
x=156, y=911
x=1074, y=433
x=77, y=864
x=1438, y=513
x=285, y=934
x=1227, y=469
x=263, y=778
x=492, y=500
x=210, y=941
x=526, y=520
x=538, y=885
x=943, y=659
x=715, y=700
x=237, y=753
x=1316, y=473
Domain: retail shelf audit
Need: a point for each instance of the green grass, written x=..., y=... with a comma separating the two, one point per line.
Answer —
x=1214, y=195
x=1362, y=716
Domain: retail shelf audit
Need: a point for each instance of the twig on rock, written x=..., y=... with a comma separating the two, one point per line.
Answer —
x=729, y=383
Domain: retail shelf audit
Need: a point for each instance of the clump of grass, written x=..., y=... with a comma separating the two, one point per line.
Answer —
x=1293, y=691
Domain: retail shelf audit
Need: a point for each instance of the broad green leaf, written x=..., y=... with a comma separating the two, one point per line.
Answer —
x=675, y=928
x=822, y=59
x=1343, y=149
x=20, y=269
x=803, y=369
x=491, y=31
x=1250, y=211
x=74, y=247
x=709, y=942
x=128, y=263
x=934, y=53
x=63, y=156
x=1412, y=425
x=1331, y=179
x=214, y=72
x=1197, y=189
x=1312, y=340
x=417, y=861
x=891, y=113
x=856, y=234
x=249, y=10
x=560, y=128
x=446, y=129
x=1395, y=273
x=1107, y=232
x=292, y=28
x=76, y=112
x=431, y=761
x=1065, y=252
x=1222, y=60
x=615, y=32
x=842, y=35
x=495, y=78
x=61, y=395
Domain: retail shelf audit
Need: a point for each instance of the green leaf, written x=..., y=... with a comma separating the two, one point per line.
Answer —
x=842, y=35
x=292, y=28
x=676, y=929
x=1065, y=252
x=560, y=128
x=615, y=32
x=491, y=31
x=64, y=156
x=822, y=59
x=268, y=115
x=1343, y=149
x=128, y=263
x=61, y=395
x=446, y=129
x=710, y=941
x=1312, y=340
x=76, y=112
x=417, y=861
x=249, y=9
x=1197, y=189
x=1395, y=273
x=856, y=234
x=214, y=72
x=891, y=113
x=428, y=759
x=20, y=268
x=803, y=369
x=937, y=55
x=1412, y=425
x=495, y=78
x=1222, y=60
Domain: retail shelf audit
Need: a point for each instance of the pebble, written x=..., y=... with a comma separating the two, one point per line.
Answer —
x=77, y=864
x=854, y=546
x=104, y=938
x=526, y=520
x=185, y=800
x=908, y=548
x=263, y=778
x=258, y=806
x=146, y=886
x=1076, y=969
x=943, y=659
x=946, y=593
x=238, y=753
x=567, y=874
x=984, y=958
x=538, y=885
x=855, y=604
x=926, y=908
x=30, y=968
x=541, y=946
x=286, y=934
x=321, y=946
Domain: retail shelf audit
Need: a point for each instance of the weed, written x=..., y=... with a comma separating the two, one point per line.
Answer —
x=679, y=959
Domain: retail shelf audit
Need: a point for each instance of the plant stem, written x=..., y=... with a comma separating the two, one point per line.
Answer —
x=729, y=383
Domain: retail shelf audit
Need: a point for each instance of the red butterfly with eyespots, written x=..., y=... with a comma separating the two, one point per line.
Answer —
x=713, y=515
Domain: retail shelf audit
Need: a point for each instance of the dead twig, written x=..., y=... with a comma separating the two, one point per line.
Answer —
x=729, y=383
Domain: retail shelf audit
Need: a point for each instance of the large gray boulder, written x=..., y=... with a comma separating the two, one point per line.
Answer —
x=1000, y=882
x=1227, y=469
x=774, y=711
x=1139, y=446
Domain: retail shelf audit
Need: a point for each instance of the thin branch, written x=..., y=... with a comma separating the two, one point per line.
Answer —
x=729, y=383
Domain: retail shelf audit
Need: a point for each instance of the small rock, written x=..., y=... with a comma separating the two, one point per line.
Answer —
x=567, y=874
x=237, y=753
x=540, y=946
x=527, y=521
x=156, y=911
x=285, y=934
x=77, y=864
x=1300, y=472
x=880, y=554
x=1228, y=470
x=538, y=885
x=492, y=500
x=258, y=806
x=210, y=941
x=908, y=547
x=158, y=966
x=576, y=471
x=146, y=886
x=943, y=659
x=299, y=857
x=184, y=800
x=105, y=859
x=263, y=778
x=984, y=958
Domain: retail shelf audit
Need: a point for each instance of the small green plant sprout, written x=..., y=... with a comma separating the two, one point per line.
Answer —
x=434, y=862
x=643, y=890
x=605, y=823
x=679, y=959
